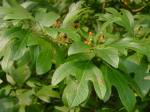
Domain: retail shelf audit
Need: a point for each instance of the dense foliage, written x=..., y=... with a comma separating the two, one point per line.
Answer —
x=74, y=56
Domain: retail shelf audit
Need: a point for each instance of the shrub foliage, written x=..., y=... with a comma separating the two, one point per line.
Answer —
x=74, y=55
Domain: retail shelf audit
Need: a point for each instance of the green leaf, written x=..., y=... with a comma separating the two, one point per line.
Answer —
x=20, y=74
x=15, y=11
x=3, y=42
x=126, y=95
x=44, y=59
x=58, y=54
x=46, y=19
x=108, y=54
x=140, y=72
x=83, y=72
x=108, y=84
x=81, y=57
x=109, y=22
x=8, y=104
x=75, y=10
x=127, y=20
x=6, y=36
x=62, y=109
x=25, y=97
x=5, y=91
x=52, y=32
x=33, y=39
x=19, y=47
x=47, y=92
x=7, y=62
x=78, y=47
x=141, y=46
x=35, y=108
x=10, y=79
x=75, y=93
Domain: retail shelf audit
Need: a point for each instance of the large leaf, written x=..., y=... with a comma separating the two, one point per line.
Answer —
x=108, y=54
x=126, y=95
x=83, y=72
